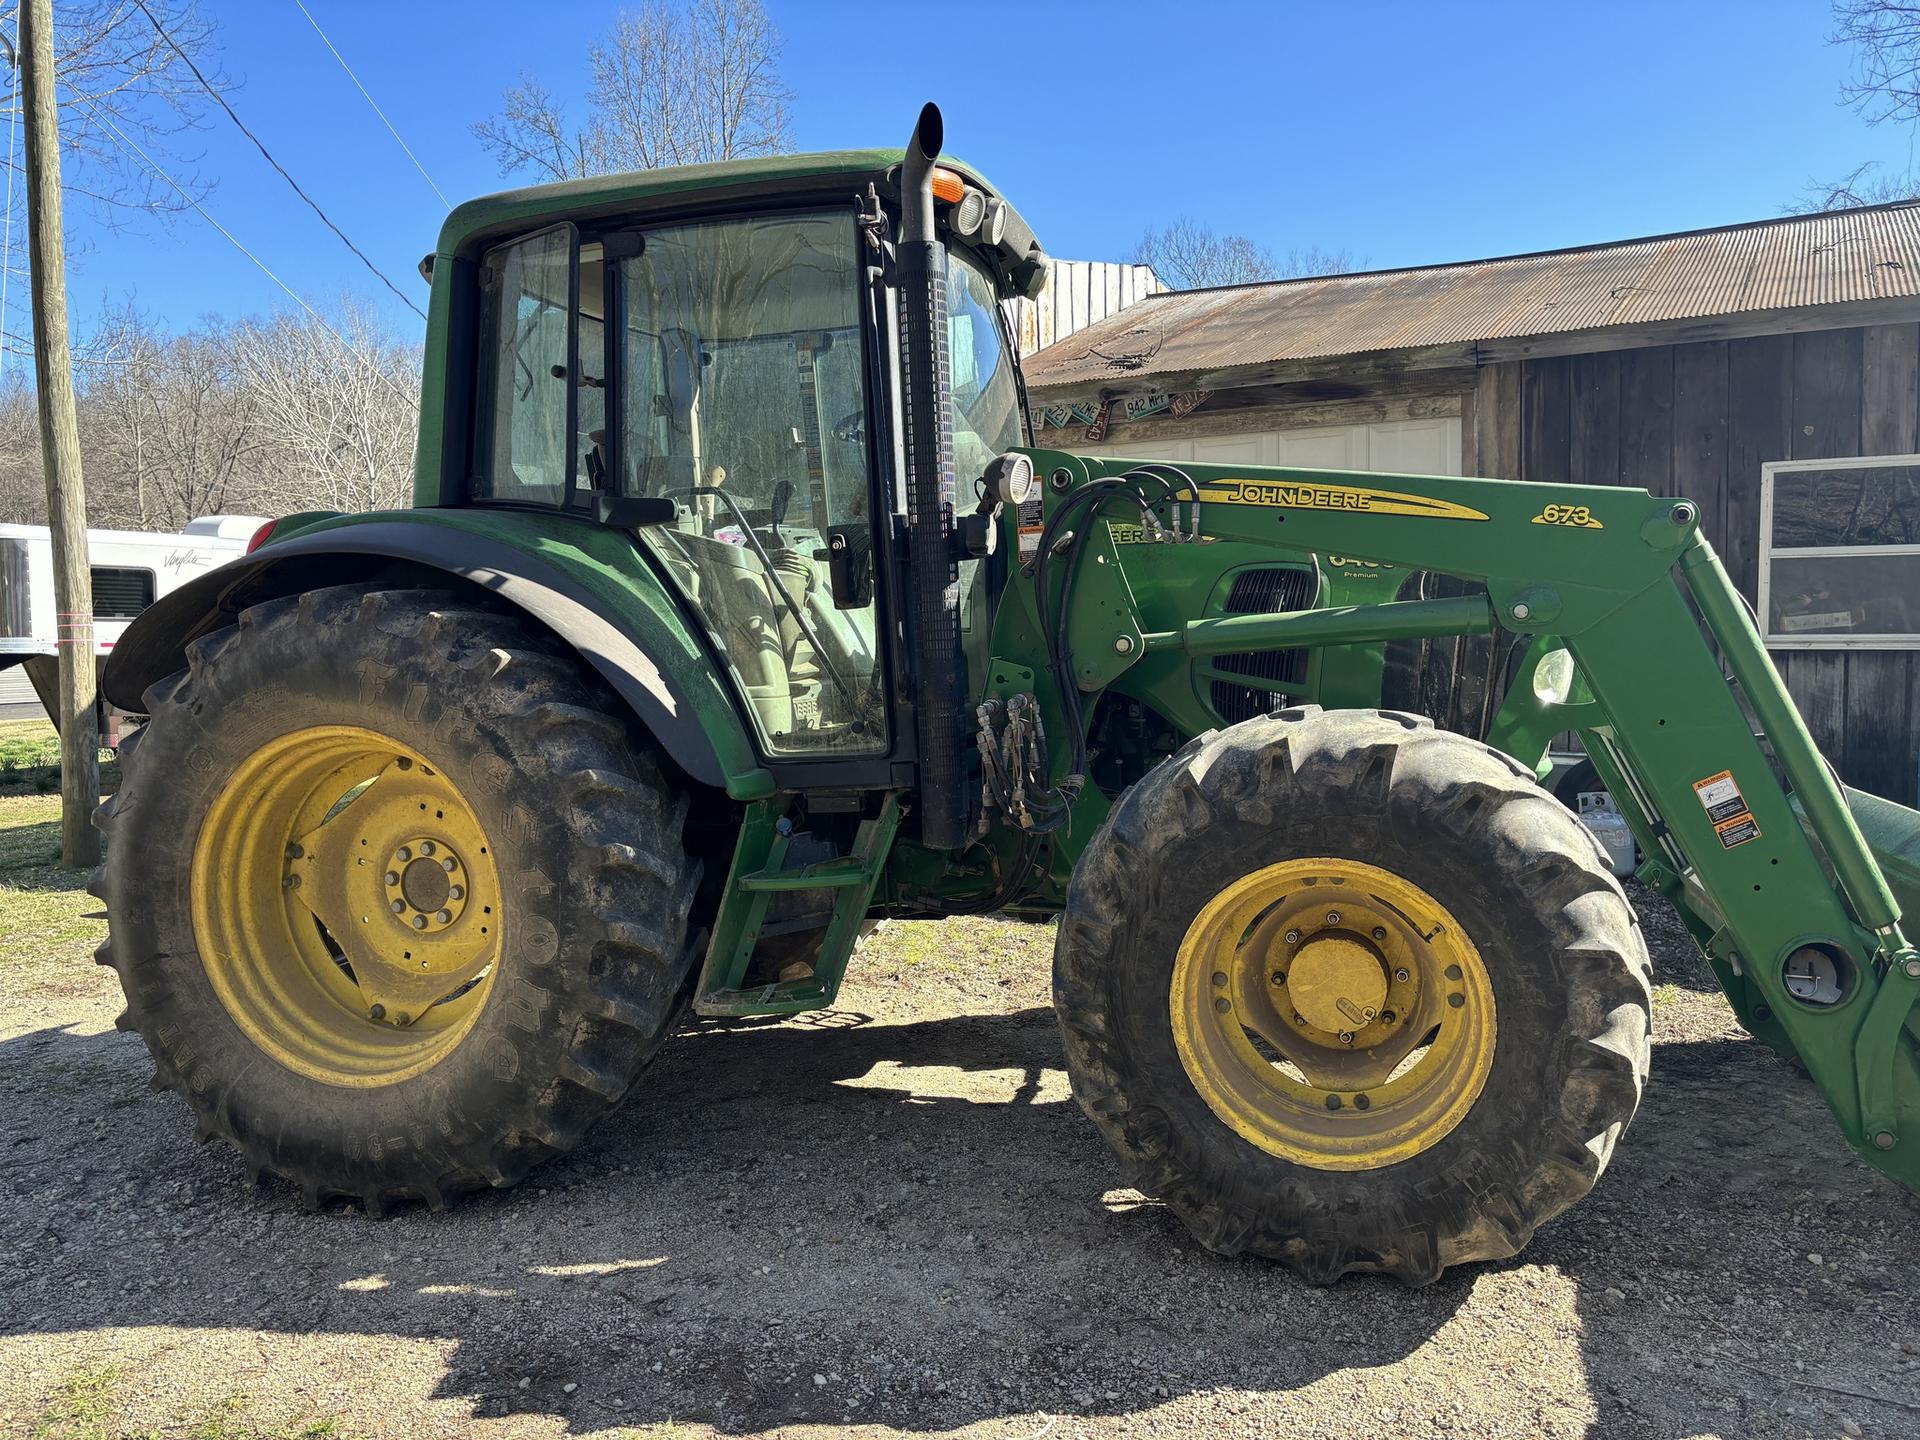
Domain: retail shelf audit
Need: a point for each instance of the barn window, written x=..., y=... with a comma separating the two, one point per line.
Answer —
x=1840, y=553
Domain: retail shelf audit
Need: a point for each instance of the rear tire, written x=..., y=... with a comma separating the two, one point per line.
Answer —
x=570, y=815
x=1356, y=793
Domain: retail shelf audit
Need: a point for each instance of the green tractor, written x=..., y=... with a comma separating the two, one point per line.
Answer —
x=736, y=613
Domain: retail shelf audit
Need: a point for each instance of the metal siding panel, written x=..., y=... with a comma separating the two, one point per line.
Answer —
x=1700, y=433
x=1759, y=421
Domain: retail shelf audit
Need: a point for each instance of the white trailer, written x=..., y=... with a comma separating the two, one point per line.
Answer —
x=131, y=569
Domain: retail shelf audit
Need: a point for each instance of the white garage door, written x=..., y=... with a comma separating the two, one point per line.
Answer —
x=1412, y=447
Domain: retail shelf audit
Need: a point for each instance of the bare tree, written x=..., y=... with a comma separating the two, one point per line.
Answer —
x=1883, y=88
x=23, y=490
x=168, y=430
x=1885, y=84
x=676, y=82
x=1860, y=186
x=1189, y=255
x=337, y=406
x=119, y=74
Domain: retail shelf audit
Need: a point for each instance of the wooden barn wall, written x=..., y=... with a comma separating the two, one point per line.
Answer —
x=1699, y=420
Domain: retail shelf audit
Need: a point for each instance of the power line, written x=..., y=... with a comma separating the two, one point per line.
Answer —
x=232, y=240
x=240, y=124
x=374, y=103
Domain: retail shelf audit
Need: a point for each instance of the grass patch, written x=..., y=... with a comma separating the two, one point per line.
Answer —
x=965, y=947
x=30, y=757
x=83, y=1409
x=228, y=1421
x=42, y=907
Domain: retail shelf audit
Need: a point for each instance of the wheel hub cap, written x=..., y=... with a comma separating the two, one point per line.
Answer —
x=424, y=884
x=1337, y=983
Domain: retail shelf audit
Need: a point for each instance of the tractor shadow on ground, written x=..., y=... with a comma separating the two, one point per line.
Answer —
x=906, y=1223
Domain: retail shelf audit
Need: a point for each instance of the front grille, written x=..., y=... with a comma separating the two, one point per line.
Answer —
x=1266, y=591
x=120, y=594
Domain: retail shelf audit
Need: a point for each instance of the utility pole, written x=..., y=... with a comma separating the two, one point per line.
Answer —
x=60, y=442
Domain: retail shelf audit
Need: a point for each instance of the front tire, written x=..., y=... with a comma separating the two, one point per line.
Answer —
x=397, y=898
x=1352, y=993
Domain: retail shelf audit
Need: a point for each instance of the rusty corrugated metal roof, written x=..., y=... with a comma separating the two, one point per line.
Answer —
x=1801, y=260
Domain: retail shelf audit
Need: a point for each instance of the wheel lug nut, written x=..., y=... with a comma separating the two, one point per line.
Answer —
x=426, y=847
x=1401, y=974
x=1279, y=977
x=1293, y=937
x=403, y=1018
x=447, y=865
x=419, y=922
x=405, y=852
x=393, y=877
x=445, y=917
x=292, y=882
x=1379, y=932
x=1346, y=1037
x=456, y=892
x=1333, y=917
x=397, y=906
x=378, y=1012
x=295, y=852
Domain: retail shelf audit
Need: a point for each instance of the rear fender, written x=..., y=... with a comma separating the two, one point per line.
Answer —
x=653, y=663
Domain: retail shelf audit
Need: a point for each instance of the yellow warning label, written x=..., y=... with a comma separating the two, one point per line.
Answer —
x=1726, y=808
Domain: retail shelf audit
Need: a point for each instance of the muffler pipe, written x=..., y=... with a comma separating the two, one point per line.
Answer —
x=932, y=575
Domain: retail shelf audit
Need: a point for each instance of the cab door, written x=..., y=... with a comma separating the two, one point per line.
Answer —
x=721, y=365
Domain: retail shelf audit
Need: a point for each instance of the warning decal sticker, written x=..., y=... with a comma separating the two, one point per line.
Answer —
x=1030, y=524
x=1727, y=809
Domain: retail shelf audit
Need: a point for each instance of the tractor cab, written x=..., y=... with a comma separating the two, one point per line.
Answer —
x=737, y=372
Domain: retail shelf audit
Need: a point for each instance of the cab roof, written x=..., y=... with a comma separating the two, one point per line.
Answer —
x=477, y=223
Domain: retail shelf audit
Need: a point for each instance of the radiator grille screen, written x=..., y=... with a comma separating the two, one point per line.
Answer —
x=1262, y=592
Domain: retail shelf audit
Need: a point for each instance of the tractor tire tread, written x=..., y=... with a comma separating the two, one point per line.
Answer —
x=631, y=971
x=1421, y=783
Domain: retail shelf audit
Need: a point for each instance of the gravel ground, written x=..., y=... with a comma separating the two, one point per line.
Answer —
x=891, y=1219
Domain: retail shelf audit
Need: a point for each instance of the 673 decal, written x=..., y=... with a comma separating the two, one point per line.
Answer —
x=1577, y=516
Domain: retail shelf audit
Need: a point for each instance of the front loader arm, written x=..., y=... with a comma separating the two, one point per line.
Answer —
x=1741, y=830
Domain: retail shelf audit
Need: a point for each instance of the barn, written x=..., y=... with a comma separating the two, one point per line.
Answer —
x=1769, y=371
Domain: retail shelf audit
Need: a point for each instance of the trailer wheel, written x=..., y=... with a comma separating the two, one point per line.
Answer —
x=1353, y=993
x=397, y=898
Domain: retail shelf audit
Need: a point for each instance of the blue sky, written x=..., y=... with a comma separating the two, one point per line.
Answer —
x=1406, y=133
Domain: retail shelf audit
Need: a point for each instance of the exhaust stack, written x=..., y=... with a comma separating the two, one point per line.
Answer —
x=933, y=581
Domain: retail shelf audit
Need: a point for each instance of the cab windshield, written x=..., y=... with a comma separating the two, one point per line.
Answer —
x=986, y=402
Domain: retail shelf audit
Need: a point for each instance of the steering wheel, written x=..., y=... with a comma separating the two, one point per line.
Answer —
x=851, y=427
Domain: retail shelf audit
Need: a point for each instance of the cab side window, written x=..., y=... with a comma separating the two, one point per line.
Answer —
x=522, y=448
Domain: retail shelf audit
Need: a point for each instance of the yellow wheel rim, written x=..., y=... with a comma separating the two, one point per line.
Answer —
x=1333, y=1014
x=346, y=906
